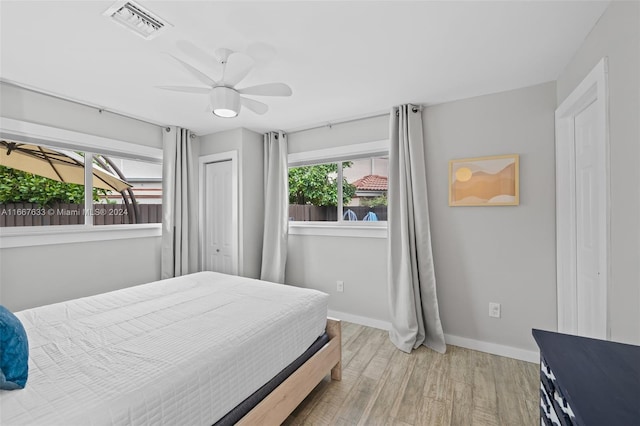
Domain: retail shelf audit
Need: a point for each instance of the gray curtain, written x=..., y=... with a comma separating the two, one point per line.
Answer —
x=179, y=205
x=413, y=302
x=276, y=207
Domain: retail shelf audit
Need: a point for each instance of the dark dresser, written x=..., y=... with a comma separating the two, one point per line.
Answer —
x=587, y=381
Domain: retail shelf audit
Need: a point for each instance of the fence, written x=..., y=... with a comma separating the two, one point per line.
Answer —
x=306, y=213
x=31, y=214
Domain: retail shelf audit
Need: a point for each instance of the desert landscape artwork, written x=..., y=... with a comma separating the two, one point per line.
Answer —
x=484, y=181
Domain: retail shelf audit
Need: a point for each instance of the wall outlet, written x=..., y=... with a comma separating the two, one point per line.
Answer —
x=340, y=286
x=494, y=310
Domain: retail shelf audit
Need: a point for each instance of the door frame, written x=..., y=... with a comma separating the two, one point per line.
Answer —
x=592, y=90
x=236, y=206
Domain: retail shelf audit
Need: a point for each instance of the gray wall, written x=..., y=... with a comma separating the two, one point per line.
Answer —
x=617, y=36
x=26, y=105
x=319, y=261
x=32, y=276
x=250, y=185
x=39, y=275
x=359, y=131
x=252, y=202
x=361, y=263
x=495, y=254
x=482, y=254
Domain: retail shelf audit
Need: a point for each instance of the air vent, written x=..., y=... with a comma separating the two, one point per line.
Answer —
x=137, y=19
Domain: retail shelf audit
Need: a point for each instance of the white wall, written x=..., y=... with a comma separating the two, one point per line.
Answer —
x=617, y=36
x=249, y=146
x=32, y=276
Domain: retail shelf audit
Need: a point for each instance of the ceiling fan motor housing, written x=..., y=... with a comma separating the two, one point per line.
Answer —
x=225, y=101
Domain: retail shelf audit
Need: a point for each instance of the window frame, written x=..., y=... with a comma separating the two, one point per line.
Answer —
x=339, y=228
x=54, y=137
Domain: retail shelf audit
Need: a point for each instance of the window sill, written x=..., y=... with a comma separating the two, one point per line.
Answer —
x=339, y=229
x=65, y=234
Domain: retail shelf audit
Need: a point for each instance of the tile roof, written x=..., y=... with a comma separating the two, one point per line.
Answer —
x=371, y=183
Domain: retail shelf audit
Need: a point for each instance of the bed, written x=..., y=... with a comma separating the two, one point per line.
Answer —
x=187, y=350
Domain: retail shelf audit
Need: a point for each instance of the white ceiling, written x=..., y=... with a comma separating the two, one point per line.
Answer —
x=342, y=59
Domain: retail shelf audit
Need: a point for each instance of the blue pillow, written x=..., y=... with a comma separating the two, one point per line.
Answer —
x=14, y=352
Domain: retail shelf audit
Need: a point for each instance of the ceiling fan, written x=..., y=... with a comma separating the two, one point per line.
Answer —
x=224, y=97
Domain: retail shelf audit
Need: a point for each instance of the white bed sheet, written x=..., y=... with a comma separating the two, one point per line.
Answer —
x=180, y=351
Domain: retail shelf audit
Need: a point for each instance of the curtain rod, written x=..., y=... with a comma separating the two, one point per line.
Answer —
x=62, y=98
x=330, y=124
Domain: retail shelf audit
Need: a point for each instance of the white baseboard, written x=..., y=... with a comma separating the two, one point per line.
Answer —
x=464, y=342
x=357, y=319
x=493, y=348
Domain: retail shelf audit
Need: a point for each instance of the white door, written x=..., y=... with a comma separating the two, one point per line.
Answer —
x=220, y=249
x=582, y=207
x=591, y=290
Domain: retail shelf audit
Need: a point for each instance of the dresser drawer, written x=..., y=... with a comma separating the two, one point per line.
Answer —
x=553, y=398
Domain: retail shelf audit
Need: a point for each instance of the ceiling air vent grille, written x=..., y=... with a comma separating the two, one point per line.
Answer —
x=135, y=18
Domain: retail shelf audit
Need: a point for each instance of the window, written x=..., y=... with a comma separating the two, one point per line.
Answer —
x=338, y=187
x=138, y=204
x=354, y=190
x=45, y=186
x=79, y=145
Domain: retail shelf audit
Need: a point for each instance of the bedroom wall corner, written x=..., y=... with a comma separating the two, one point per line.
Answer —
x=253, y=201
x=248, y=144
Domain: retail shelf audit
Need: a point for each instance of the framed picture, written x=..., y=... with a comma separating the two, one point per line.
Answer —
x=484, y=181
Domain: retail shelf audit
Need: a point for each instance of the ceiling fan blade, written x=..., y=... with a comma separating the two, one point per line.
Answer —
x=255, y=106
x=237, y=67
x=201, y=55
x=268, y=89
x=196, y=73
x=186, y=89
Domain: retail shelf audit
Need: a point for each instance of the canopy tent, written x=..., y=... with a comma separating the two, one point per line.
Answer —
x=57, y=164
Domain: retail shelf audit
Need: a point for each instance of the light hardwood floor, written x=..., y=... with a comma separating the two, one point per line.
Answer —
x=384, y=386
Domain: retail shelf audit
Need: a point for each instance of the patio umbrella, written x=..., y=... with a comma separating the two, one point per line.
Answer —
x=57, y=164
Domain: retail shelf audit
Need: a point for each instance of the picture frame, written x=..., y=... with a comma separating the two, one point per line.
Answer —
x=485, y=181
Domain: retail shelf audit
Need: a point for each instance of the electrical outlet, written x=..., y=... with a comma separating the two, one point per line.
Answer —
x=340, y=286
x=494, y=310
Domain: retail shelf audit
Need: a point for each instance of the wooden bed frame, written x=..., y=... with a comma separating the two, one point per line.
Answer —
x=276, y=407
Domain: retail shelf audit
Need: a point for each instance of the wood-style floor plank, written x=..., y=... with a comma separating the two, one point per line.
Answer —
x=384, y=386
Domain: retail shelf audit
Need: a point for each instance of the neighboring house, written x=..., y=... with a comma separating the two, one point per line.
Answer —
x=145, y=178
x=370, y=186
x=369, y=175
x=146, y=191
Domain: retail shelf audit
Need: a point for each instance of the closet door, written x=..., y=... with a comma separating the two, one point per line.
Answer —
x=218, y=218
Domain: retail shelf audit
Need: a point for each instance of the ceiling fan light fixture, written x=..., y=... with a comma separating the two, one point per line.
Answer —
x=225, y=102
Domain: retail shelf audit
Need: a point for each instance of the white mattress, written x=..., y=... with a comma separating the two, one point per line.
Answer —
x=180, y=351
